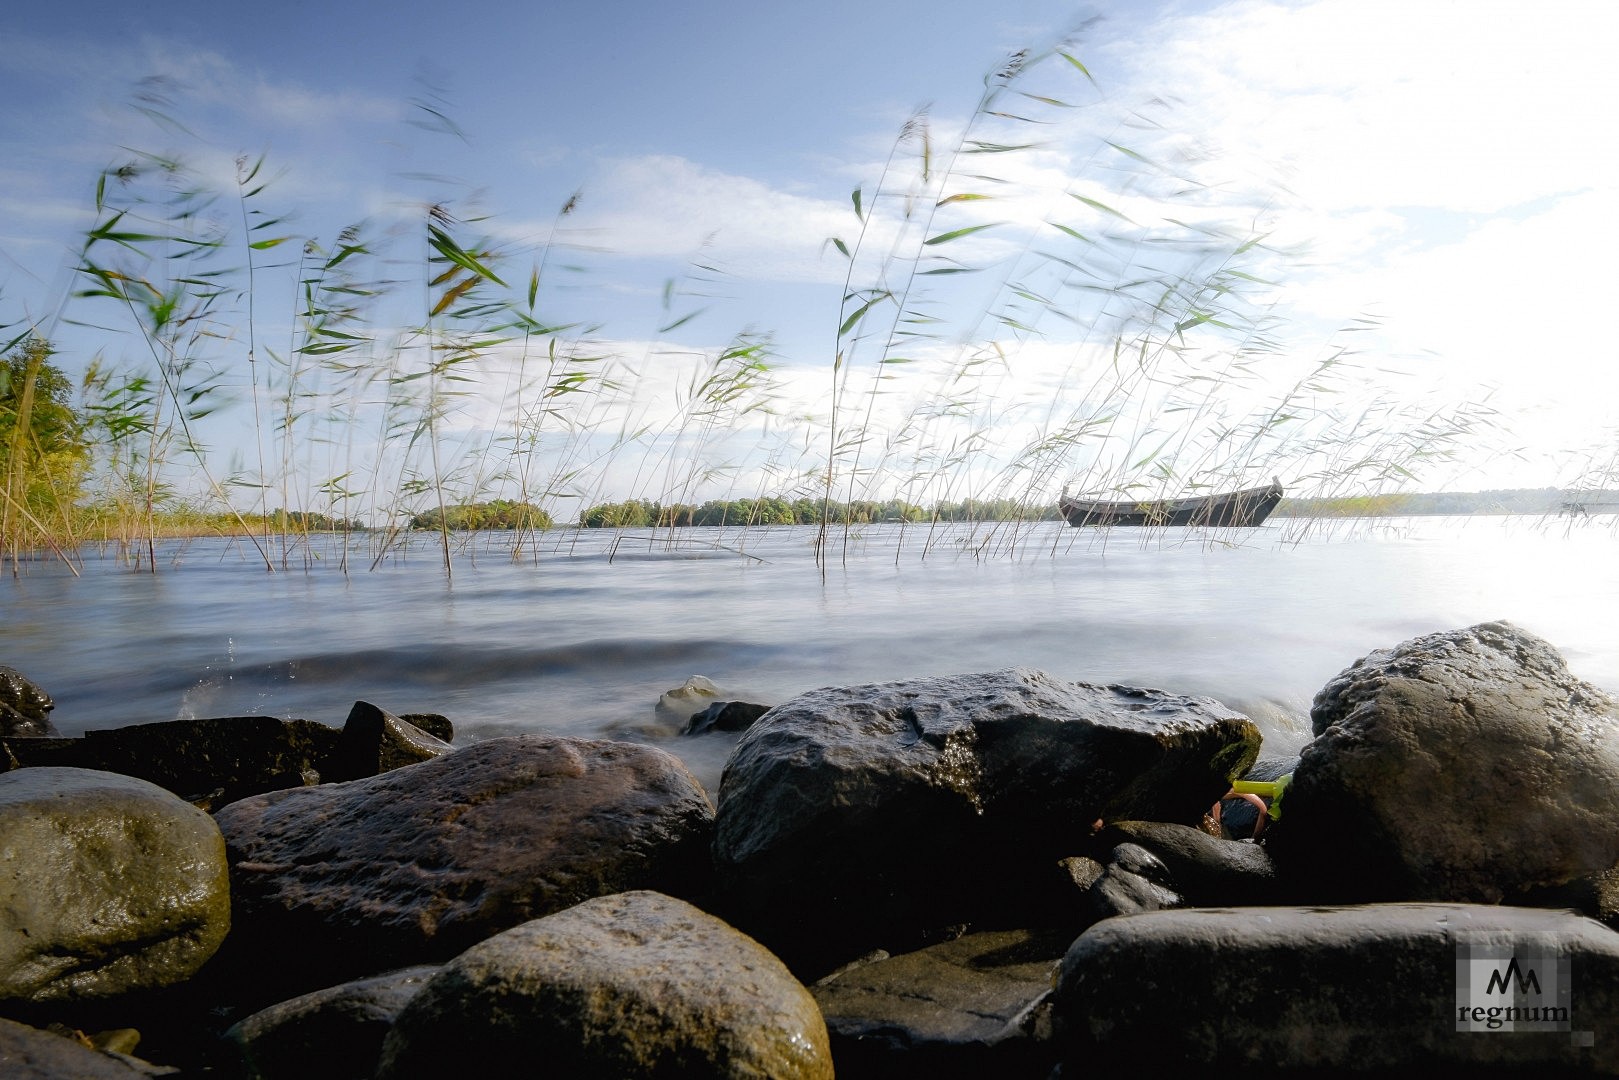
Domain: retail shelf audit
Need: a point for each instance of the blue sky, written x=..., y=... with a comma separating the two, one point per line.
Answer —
x=1439, y=168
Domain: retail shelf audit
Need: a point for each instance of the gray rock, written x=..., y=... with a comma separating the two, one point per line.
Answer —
x=108, y=885
x=1133, y=880
x=25, y=709
x=724, y=716
x=418, y=864
x=858, y=817
x=637, y=984
x=435, y=724
x=30, y=1054
x=1468, y=765
x=331, y=1034
x=1357, y=989
x=375, y=741
x=971, y=1007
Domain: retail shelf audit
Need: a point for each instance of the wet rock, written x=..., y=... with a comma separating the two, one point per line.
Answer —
x=418, y=864
x=108, y=885
x=1369, y=989
x=24, y=708
x=860, y=817
x=207, y=762
x=1132, y=880
x=1468, y=765
x=725, y=716
x=216, y=760
x=331, y=1034
x=375, y=741
x=972, y=1007
x=636, y=984
x=435, y=724
x=31, y=1054
x=676, y=707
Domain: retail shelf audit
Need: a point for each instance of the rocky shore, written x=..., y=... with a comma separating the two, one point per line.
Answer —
x=999, y=875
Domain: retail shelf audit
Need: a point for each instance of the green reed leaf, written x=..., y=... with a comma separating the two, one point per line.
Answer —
x=956, y=234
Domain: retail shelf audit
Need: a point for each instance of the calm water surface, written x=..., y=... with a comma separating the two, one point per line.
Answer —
x=579, y=644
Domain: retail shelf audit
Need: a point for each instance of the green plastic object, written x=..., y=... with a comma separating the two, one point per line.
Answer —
x=1265, y=789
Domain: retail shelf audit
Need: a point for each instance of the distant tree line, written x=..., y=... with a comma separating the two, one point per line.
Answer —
x=643, y=513
x=498, y=514
x=309, y=521
x=1500, y=501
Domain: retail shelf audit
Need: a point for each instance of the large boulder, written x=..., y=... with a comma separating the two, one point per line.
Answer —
x=637, y=984
x=418, y=864
x=1374, y=989
x=972, y=1007
x=330, y=1034
x=1468, y=765
x=868, y=816
x=25, y=709
x=108, y=885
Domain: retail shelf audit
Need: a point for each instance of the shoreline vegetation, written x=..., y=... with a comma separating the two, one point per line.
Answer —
x=1001, y=332
x=501, y=515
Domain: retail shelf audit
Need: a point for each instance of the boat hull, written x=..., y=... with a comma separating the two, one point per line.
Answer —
x=1229, y=510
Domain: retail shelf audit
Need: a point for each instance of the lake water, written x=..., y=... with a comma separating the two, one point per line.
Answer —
x=584, y=639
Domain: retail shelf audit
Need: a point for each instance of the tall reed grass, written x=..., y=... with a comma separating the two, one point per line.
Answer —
x=1055, y=294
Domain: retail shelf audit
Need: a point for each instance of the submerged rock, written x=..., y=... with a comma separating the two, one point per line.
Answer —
x=1468, y=765
x=418, y=864
x=108, y=885
x=725, y=716
x=25, y=709
x=867, y=816
x=636, y=984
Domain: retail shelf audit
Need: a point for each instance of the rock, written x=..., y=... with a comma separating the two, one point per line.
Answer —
x=972, y=1007
x=216, y=760
x=1370, y=989
x=331, y=1034
x=1133, y=880
x=108, y=885
x=435, y=724
x=724, y=716
x=675, y=707
x=1207, y=870
x=418, y=864
x=30, y=1054
x=1467, y=765
x=24, y=708
x=861, y=817
x=636, y=984
x=375, y=741
x=208, y=762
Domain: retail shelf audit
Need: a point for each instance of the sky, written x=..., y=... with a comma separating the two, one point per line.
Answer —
x=1422, y=190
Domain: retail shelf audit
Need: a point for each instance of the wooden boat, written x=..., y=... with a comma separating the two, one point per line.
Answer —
x=1229, y=510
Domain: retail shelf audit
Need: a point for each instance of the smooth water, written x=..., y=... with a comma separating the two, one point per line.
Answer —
x=584, y=640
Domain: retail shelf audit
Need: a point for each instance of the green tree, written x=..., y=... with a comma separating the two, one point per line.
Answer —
x=44, y=456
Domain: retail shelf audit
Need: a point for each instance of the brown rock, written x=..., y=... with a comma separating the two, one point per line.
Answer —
x=1468, y=765
x=636, y=984
x=416, y=865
